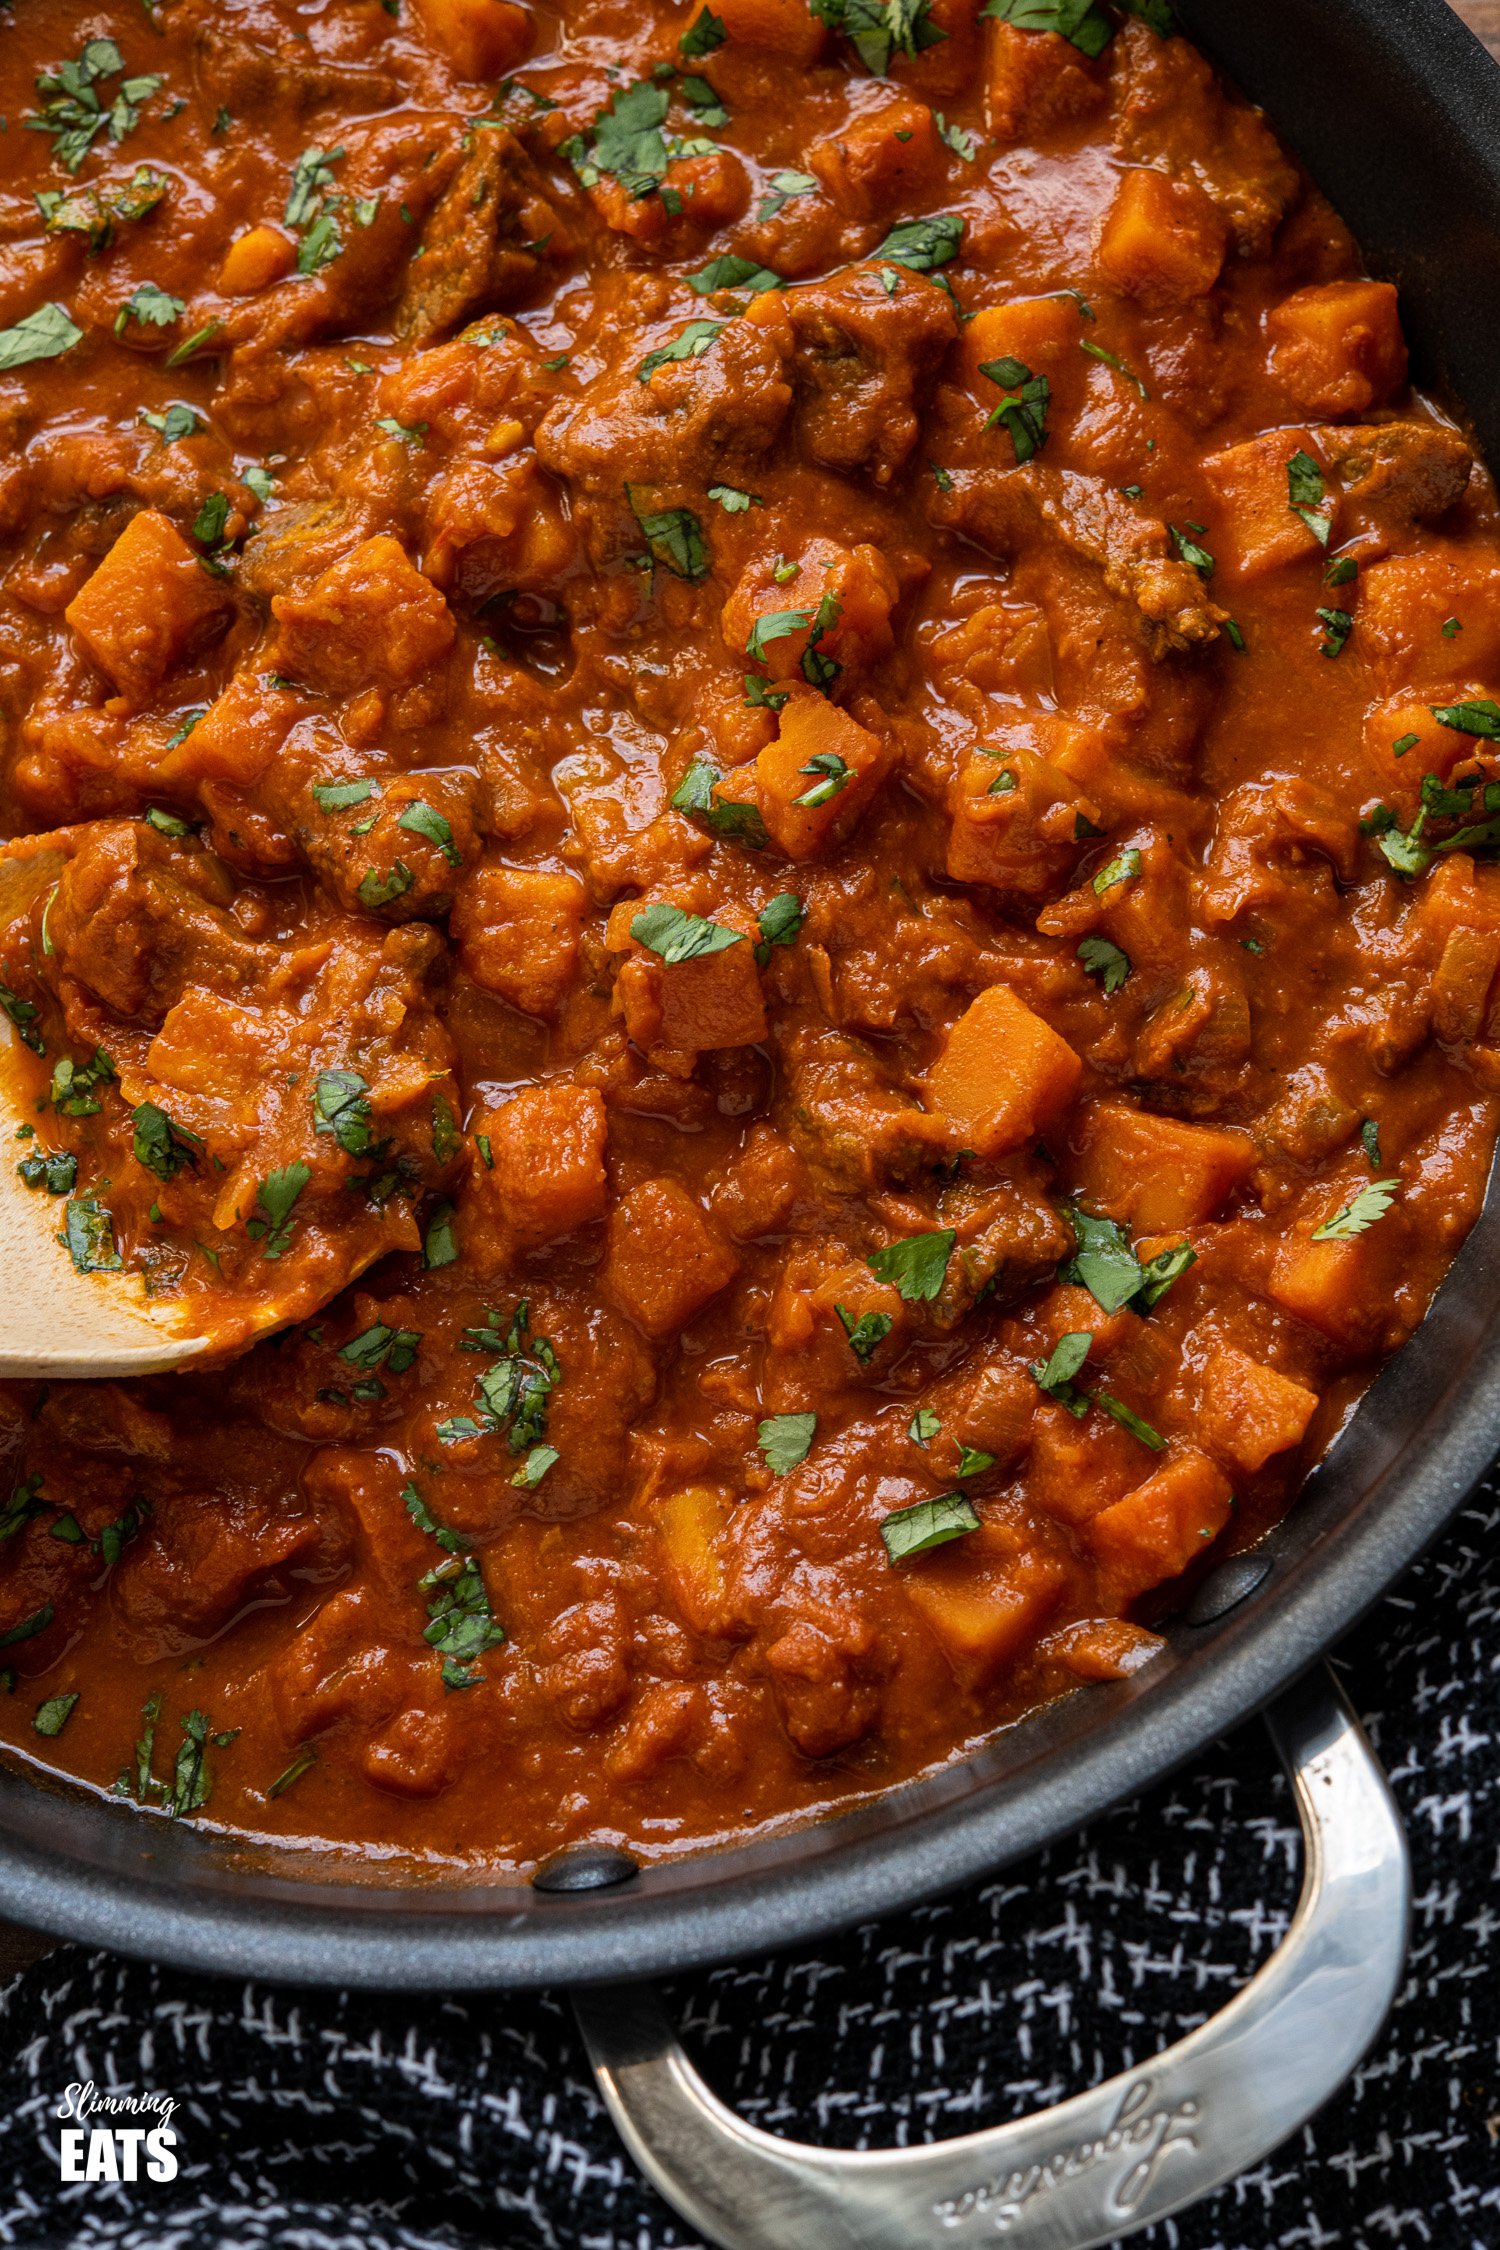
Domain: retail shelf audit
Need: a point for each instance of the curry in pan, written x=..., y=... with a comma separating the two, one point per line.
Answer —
x=756, y=747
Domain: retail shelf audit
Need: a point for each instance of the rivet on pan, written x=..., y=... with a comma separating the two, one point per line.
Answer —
x=1223, y=1588
x=584, y=1867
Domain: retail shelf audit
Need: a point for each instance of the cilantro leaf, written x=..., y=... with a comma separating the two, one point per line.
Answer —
x=785, y=187
x=703, y=34
x=275, y=1201
x=158, y=1144
x=379, y=890
x=915, y=1267
x=693, y=341
x=1024, y=409
x=732, y=500
x=338, y=796
x=677, y=936
x=730, y=272
x=733, y=822
x=150, y=307
x=1191, y=553
x=1360, y=1213
x=1337, y=626
x=1123, y=868
x=1106, y=961
x=340, y=1107
x=1479, y=718
x=53, y=1715
x=44, y=334
x=674, y=537
x=89, y=1232
x=927, y=1524
x=865, y=1334
x=1104, y=1263
x=422, y=819
x=1083, y=23
x=1305, y=497
x=1055, y=1374
x=785, y=1439
x=1131, y=1421
x=779, y=922
x=921, y=245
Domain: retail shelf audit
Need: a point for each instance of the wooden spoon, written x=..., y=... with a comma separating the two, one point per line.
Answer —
x=58, y=1322
x=54, y=1320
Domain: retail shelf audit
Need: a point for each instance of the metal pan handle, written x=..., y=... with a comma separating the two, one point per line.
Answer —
x=1104, y=2163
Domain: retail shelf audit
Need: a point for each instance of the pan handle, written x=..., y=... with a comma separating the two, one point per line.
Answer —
x=1103, y=2163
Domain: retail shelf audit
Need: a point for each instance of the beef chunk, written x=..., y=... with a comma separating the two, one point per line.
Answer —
x=1398, y=473
x=686, y=426
x=137, y=916
x=861, y=365
x=484, y=241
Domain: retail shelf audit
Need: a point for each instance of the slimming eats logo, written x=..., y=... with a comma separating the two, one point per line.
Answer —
x=143, y=2147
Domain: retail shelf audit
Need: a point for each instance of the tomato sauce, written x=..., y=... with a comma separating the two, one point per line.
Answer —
x=749, y=757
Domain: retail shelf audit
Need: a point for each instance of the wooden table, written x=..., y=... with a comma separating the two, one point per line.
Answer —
x=1482, y=16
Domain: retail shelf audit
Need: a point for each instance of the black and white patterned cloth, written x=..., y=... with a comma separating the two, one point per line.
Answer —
x=314, y=2121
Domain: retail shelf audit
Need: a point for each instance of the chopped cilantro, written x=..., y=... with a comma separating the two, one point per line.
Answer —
x=674, y=537
x=693, y=341
x=677, y=936
x=1305, y=495
x=915, y=1267
x=1123, y=868
x=927, y=1524
x=44, y=334
x=275, y=1201
x=865, y=1334
x=1360, y=1213
x=1105, y=961
x=785, y=1439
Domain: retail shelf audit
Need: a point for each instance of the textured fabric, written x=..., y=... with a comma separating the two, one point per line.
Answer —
x=326, y=2123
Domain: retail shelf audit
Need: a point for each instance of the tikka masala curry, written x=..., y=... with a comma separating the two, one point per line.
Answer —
x=751, y=755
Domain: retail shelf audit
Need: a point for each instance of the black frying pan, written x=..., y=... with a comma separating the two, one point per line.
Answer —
x=1395, y=109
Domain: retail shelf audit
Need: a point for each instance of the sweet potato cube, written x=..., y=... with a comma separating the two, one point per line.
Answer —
x=691, y=1526
x=1163, y=240
x=1042, y=332
x=370, y=620
x=517, y=933
x=255, y=259
x=238, y=736
x=879, y=157
x=1461, y=985
x=858, y=584
x=1425, y=744
x=1004, y=1074
x=1251, y=1411
x=1404, y=602
x=663, y=1261
x=1156, y=1174
x=714, y=1001
x=786, y=27
x=984, y=1601
x=1460, y=893
x=1337, y=348
x=1033, y=79
x=1342, y=1287
x=1159, y=1528
x=819, y=752
x=1250, y=483
x=547, y=1150
x=483, y=38
x=1013, y=822
x=149, y=603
